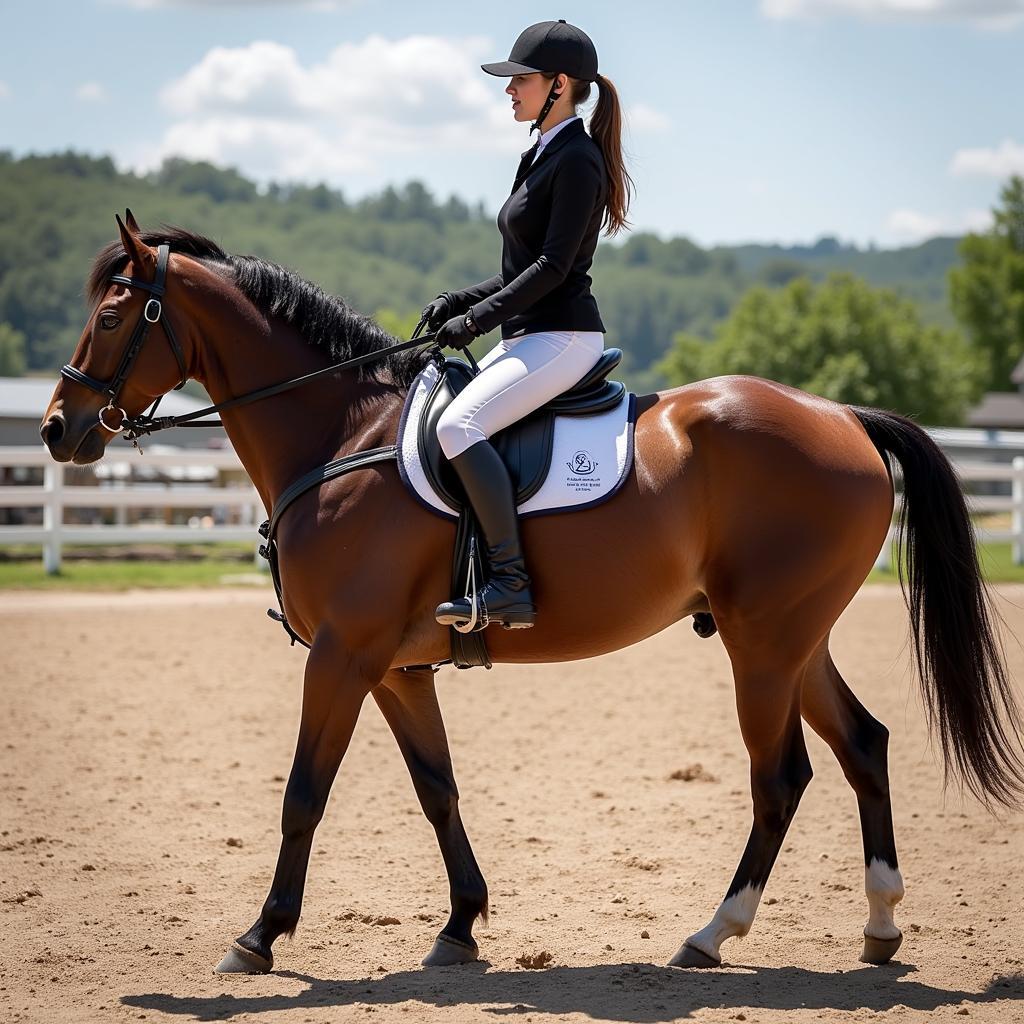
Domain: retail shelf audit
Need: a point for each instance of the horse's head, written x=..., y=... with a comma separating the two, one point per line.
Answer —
x=115, y=372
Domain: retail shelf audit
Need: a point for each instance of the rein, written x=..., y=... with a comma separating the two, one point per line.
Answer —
x=136, y=427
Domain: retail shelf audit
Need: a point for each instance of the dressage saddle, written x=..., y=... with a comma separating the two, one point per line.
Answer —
x=525, y=446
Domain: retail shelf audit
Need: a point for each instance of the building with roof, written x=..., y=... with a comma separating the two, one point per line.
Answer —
x=1001, y=410
x=23, y=401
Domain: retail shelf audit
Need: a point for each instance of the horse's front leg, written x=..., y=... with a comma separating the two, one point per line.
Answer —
x=336, y=683
x=408, y=701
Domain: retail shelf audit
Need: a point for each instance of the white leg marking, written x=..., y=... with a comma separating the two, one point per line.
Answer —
x=884, y=886
x=733, y=917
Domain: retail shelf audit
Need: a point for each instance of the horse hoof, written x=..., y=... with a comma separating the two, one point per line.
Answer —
x=880, y=951
x=449, y=951
x=691, y=956
x=240, y=960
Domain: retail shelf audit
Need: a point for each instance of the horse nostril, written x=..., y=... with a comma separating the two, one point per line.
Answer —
x=52, y=431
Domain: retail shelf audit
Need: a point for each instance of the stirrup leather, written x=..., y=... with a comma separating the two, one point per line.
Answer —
x=476, y=620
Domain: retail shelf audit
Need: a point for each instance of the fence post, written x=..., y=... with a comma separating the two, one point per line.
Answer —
x=884, y=560
x=1017, y=513
x=53, y=514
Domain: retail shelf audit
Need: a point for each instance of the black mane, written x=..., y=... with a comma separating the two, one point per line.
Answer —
x=325, y=321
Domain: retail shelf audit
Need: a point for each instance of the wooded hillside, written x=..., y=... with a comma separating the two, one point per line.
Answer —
x=388, y=254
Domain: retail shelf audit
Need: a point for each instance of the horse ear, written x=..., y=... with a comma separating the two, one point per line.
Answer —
x=142, y=256
x=129, y=219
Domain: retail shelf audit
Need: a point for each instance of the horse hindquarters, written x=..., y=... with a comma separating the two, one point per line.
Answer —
x=802, y=504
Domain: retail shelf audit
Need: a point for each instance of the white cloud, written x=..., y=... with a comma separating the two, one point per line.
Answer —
x=407, y=88
x=910, y=226
x=645, y=120
x=264, y=78
x=380, y=106
x=315, y=5
x=262, y=147
x=991, y=162
x=977, y=220
x=987, y=13
x=91, y=92
x=5, y=91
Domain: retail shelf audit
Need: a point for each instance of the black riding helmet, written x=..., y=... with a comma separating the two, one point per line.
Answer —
x=553, y=46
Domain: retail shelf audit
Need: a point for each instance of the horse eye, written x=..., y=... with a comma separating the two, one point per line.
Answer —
x=108, y=321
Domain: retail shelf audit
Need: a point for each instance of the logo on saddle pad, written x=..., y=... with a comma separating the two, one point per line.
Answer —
x=582, y=466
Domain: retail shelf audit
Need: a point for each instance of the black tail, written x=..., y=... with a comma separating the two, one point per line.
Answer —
x=967, y=695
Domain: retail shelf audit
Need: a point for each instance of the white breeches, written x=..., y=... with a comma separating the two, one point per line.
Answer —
x=516, y=377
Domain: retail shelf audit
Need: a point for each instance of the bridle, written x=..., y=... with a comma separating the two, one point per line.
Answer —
x=152, y=313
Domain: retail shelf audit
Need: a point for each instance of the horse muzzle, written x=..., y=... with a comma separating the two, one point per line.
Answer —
x=65, y=445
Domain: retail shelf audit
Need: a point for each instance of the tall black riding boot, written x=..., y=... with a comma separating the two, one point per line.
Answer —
x=505, y=598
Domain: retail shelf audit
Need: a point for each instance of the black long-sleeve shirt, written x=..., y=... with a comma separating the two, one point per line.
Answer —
x=549, y=226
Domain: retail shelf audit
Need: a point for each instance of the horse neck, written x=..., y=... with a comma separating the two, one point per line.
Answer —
x=278, y=439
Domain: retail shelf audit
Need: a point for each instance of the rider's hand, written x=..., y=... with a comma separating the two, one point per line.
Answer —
x=455, y=334
x=439, y=310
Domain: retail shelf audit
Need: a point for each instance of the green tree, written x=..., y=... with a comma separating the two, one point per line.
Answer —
x=987, y=292
x=843, y=340
x=219, y=183
x=778, y=272
x=401, y=325
x=12, y=351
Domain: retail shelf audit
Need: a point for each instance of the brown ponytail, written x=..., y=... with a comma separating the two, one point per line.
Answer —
x=606, y=131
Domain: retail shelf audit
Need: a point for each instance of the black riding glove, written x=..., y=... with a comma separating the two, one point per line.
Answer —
x=455, y=334
x=439, y=310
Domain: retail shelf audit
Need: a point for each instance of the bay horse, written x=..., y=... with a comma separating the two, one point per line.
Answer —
x=749, y=501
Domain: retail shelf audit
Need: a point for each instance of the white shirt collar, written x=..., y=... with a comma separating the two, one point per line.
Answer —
x=547, y=136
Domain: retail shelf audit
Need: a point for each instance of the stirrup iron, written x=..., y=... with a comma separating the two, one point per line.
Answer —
x=476, y=621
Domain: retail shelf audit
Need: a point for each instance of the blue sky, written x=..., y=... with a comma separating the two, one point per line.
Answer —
x=881, y=121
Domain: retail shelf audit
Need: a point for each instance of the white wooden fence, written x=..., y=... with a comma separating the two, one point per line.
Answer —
x=1012, y=503
x=188, y=475
x=192, y=471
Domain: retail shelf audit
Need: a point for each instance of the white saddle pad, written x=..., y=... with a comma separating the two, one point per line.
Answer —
x=590, y=458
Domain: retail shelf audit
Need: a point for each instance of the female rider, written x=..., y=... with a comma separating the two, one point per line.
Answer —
x=551, y=330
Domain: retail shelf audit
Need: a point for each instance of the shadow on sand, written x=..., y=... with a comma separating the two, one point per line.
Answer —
x=638, y=993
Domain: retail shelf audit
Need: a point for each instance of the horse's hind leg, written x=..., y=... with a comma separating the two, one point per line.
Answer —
x=408, y=701
x=335, y=686
x=860, y=743
x=768, y=702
